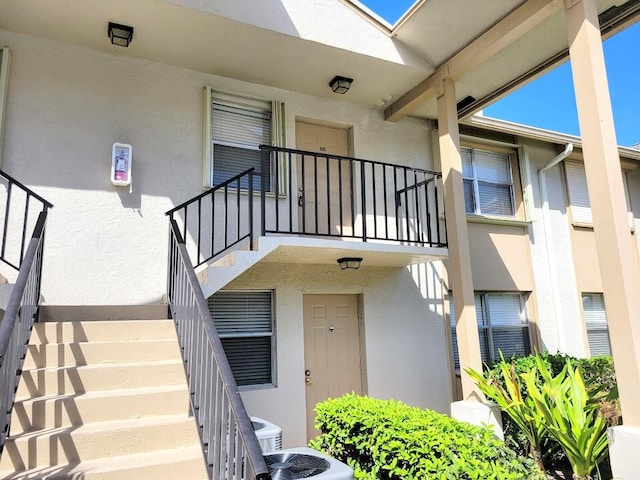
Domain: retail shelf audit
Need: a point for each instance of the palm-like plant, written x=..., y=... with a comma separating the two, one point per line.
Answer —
x=506, y=392
x=570, y=416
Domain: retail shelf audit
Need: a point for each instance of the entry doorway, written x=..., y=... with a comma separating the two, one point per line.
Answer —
x=325, y=182
x=332, y=353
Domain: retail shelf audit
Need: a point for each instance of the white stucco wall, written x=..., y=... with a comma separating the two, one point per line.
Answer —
x=67, y=105
x=405, y=342
x=566, y=333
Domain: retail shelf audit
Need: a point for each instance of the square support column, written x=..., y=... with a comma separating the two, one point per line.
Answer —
x=459, y=270
x=615, y=246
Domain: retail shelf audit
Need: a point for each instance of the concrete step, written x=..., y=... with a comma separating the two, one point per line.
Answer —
x=170, y=464
x=55, y=411
x=69, y=445
x=85, y=353
x=102, y=331
x=69, y=380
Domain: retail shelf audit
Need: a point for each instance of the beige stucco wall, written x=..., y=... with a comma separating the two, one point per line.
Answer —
x=67, y=105
x=405, y=342
x=500, y=259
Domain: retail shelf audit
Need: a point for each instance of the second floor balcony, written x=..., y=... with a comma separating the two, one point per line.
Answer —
x=311, y=207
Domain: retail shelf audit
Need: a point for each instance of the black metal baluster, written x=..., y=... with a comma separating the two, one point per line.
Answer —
x=250, y=206
x=374, y=198
x=386, y=200
x=277, y=188
x=199, y=230
x=315, y=189
x=364, y=202
x=289, y=175
x=328, y=195
x=418, y=233
x=406, y=203
x=340, y=206
x=24, y=227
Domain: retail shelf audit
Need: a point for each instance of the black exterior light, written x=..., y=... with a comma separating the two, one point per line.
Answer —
x=349, y=263
x=120, y=35
x=340, y=84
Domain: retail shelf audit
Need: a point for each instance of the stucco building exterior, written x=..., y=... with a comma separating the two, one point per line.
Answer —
x=499, y=237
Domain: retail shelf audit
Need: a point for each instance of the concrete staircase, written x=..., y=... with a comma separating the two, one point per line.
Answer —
x=103, y=400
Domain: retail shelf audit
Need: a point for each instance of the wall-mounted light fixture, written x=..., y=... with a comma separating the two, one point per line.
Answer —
x=340, y=84
x=349, y=263
x=120, y=35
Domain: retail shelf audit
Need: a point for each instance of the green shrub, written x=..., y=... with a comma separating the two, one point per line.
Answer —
x=388, y=440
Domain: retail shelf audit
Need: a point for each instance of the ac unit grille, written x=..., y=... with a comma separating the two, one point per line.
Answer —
x=293, y=466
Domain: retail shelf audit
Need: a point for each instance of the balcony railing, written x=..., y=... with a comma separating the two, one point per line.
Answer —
x=330, y=196
x=336, y=196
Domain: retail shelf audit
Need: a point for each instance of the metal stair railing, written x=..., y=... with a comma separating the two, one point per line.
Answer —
x=229, y=442
x=20, y=202
x=16, y=326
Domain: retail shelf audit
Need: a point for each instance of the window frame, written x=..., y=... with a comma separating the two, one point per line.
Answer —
x=575, y=180
x=511, y=157
x=271, y=334
x=277, y=134
x=485, y=328
x=595, y=326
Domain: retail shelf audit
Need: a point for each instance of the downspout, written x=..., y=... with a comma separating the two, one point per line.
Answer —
x=551, y=258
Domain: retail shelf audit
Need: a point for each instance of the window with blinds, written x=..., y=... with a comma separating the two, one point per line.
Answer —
x=502, y=326
x=579, y=195
x=488, y=182
x=595, y=319
x=237, y=130
x=235, y=126
x=245, y=323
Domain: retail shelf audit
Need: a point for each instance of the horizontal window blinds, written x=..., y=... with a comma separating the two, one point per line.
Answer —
x=488, y=184
x=502, y=325
x=595, y=319
x=492, y=167
x=579, y=194
x=244, y=321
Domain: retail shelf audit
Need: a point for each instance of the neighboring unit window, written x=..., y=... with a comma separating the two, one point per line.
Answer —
x=579, y=195
x=595, y=319
x=245, y=324
x=502, y=326
x=238, y=125
x=488, y=182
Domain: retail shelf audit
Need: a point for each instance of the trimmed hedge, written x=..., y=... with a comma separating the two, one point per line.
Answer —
x=388, y=440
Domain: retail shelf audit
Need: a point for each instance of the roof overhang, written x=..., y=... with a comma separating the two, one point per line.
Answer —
x=489, y=48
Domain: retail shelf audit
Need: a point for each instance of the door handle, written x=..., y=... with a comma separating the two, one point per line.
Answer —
x=307, y=381
x=300, y=197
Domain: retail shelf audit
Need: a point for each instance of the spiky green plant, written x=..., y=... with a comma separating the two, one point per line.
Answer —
x=570, y=414
x=506, y=392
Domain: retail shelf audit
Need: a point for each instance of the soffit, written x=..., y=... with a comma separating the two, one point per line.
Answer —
x=440, y=28
x=522, y=61
x=287, y=56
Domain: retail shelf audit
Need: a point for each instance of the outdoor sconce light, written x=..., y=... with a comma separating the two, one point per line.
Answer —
x=340, y=84
x=350, y=263
x=120, y=35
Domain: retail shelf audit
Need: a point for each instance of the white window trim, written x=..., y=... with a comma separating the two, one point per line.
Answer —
x=476, y=188
x=576, y=185
x=278, y=136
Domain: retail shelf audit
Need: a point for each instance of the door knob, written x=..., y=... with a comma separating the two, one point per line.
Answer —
x=307, y=381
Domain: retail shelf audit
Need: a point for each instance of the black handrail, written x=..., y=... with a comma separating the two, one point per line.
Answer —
x=14, y=240
x=212, y=221
x=344, y=197
x=229, y=442
x=16, y=326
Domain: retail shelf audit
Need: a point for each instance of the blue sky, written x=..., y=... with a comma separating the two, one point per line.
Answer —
x=549, y=101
